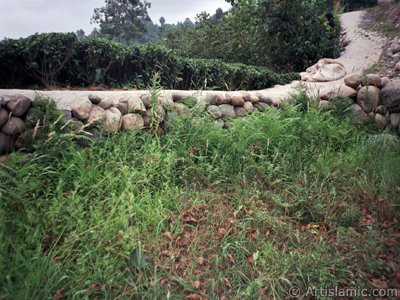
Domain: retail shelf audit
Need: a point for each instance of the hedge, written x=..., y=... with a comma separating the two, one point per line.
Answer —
x=60, y=59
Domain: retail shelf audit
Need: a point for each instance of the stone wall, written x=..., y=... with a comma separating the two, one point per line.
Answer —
x=374, y=98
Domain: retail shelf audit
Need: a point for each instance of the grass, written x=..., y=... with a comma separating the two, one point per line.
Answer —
x=291, y=197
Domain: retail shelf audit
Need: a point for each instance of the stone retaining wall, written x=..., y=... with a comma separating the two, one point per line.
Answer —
x=374, y=98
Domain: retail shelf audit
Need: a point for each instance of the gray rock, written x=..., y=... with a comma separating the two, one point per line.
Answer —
x=372, y=79
x=214, y=111
x=237, y=101
x=160, y=114
x=25, y=140
x=254, y=99
x=146, y=99
x=94, y=99
x=97, y=114
x=165, y=99
x=248, y=106
x=6, y=143
x=358, y=113
x=395, y=119
x=19, y=105
x=67, y=114
x=381, y=109
x=261, y=106
x=106, y=103
x=82, y=110
x=227, y=111
x=381, y=121
x=390, y=96
x=3, y=116
x=113, y=119
x=13, y=126
x=136, y=105
x=180, y=108
x=219, y=99
x=325, y=104
x=265, y=99
x=123, y=108
x=385, y=80
x=131, y=122
x=147, y=118
x=2, y=102
x=353, y=80
x=240, y=111
x=220, y=123
x=368, y=98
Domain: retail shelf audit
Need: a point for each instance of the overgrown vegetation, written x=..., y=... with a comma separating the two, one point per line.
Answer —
x=63, y=60
x=291, y=197
x=283, y=35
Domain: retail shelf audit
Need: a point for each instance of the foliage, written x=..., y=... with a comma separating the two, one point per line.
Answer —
x=68, y=61
x=121, y=19
x=284, y=198
x=350, y=5
x=284, y=35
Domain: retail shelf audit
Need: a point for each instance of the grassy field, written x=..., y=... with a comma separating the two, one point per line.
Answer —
x=292, y=197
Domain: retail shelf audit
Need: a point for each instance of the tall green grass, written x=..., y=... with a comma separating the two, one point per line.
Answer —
x=295, y=185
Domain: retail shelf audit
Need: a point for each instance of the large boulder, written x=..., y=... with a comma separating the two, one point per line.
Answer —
x=106, y=103
x=6, y=143
x=248, y=106
x=240, y=111
x=123, y=108
x=227, y=111
x=136, y=105
x=132, y=121
x=372, y=79
x=395, y=119
x=381, y=121
x=13, y=126
x=261, y=106
x=25, y=140
x=353, y=80
x=82, y=110
x=97, y=114
x=390, y=96
x=94, y=99
x=368, y=98
x=265, y=99
x=358, y=113
x=19, y=105
x=214, y=111
x=3, y=116
x=219, y=99
x=328, y=92
x=237, y=101
x=326, y=69
x=113, y=119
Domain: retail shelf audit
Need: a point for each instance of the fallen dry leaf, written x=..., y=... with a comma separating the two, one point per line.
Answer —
x=193, y=297
x=231, y=259
x=222, y=231
x=59, y=294
x=227, y=283
x=379, y=284
x=200, y=260
x=168, y=235
x=196, y=284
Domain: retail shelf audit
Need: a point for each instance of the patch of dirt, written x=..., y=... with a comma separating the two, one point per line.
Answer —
x=385, y=18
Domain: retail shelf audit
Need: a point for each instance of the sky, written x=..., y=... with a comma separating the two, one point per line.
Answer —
x=21, y=18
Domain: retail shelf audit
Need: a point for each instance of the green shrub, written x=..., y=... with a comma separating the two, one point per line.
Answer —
x=61, y=59
x=350, y=5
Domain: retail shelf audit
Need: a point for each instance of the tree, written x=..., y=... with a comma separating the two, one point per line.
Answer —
x=95, y=33
x=162, y=21
x=80, y=34
x=122, y=19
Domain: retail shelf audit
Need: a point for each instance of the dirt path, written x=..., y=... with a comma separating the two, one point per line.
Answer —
x=362, y=52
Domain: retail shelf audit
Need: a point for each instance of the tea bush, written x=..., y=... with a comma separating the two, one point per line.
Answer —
x=59, y=59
